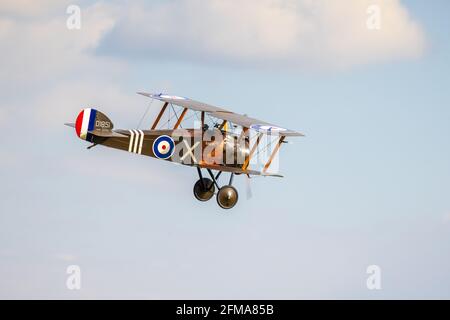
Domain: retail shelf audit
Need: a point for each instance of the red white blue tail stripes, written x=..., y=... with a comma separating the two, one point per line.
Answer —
x=85, y=122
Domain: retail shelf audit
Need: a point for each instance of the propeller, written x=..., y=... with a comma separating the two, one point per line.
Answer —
x=248, y=187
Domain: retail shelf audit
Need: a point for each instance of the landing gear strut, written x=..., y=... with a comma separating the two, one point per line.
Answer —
x=204, y=189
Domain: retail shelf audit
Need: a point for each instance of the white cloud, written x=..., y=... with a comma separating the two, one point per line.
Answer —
x=63, y=102
x=29, y=7
x=40, y=52
x=319, y=33
x=43, y=47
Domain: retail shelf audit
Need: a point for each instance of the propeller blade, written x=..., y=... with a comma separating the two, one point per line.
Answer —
x=248, y=187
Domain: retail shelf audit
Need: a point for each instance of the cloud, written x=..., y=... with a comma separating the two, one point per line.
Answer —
x=43, y=48
x=284, y=33
x=39, y=52
x=27, y=8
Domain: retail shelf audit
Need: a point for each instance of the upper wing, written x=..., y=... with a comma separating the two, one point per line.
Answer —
x=183, y=102
x=223, y=114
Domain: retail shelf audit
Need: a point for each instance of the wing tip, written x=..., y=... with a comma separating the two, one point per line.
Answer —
x=275, y=175
x=293, y=134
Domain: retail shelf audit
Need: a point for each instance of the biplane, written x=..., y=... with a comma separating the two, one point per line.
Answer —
x=195, y=134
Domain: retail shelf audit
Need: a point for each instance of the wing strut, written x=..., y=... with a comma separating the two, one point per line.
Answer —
x=163, y=109
x=202, y=127
x=180, y=118
x=222, y=125
x=274, y=152
x=255, y=146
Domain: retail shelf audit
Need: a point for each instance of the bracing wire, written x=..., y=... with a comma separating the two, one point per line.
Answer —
x=145, y=113
x=176, y=115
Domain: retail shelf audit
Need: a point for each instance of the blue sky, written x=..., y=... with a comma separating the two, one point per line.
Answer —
x=368, y=184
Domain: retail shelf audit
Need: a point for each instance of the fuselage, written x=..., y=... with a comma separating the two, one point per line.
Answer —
x=186, y=146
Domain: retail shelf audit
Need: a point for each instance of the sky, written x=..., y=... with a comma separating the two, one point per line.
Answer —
x=368, y=184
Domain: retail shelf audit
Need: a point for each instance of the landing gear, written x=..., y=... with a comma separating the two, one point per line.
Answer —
x=227, y=197
x=204, y=189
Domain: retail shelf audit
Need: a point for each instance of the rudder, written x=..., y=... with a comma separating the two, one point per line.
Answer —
x=89, y=120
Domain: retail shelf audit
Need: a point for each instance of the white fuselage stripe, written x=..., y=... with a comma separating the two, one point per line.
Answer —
x=141, y=142
x=136, y=140
x=131, y=140
x=85, y=123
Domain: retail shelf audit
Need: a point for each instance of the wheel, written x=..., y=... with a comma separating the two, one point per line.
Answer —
x=204, y=193
x=227, y=197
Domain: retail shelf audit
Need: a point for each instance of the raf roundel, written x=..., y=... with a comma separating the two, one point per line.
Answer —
x=266, y=128
x=163, y=147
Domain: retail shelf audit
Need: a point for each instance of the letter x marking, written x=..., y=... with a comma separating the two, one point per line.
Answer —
x=189, y=151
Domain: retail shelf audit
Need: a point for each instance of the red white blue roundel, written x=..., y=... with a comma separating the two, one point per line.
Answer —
x=266, y=128
x=163, y=147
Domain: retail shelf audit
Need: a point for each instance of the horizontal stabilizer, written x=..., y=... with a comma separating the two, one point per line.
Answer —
x=101, y=133
x=107, y=134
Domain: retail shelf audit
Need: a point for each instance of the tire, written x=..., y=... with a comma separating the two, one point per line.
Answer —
x=227, y=197
x=201, y=193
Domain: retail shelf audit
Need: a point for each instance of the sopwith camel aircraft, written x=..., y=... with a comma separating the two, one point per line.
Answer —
x=214, y=139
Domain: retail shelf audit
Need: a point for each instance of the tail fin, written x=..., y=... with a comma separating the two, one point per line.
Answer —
x=89, y=120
